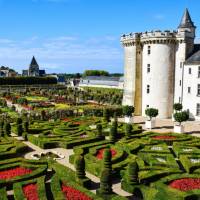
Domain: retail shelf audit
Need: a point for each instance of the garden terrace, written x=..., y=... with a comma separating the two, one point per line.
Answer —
x=158, y=160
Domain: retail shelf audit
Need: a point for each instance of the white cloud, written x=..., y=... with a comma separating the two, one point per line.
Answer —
x=57, y=54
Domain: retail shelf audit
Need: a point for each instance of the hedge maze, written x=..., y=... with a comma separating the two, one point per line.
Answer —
x=148, y=165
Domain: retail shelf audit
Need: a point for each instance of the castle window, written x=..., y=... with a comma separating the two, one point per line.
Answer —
x=148, y=68
x=189, y=89
x=189, y=70
x=149, y=50
x=180, y=82
x=148, y=89
x=181, y=64
x=198, y=90
x=199, y=72
x=198, y=109
x=147, y=106
x=179, y=99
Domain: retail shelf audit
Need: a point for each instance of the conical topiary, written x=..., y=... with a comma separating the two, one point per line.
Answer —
x=99, y=131
x=80, y=167
x=105, y=182
x=107, y=159
x=132, y=173
x=7, y=129
x=113, y=133
x=128, y=130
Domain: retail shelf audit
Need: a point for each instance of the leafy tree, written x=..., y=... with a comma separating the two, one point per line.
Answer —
x=128, y=110
x=151, y=112
x=181, y=116
x=95, y=73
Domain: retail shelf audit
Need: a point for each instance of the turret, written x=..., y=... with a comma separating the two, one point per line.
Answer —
x=187, y=29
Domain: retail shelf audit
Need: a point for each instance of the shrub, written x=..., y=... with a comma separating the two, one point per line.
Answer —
x=181, y=116
x=177, y=107
x=151, y=112
x=128, y=110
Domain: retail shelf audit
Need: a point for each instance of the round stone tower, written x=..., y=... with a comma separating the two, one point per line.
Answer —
x=158, y=66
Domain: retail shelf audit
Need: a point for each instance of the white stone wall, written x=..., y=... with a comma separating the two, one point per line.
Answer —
x=129, y=74
x=160, y=78
x=180, y=59
x=191, y=99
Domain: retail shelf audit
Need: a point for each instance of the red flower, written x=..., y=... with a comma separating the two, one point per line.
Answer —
x=66, y=120
x=100, y=153
x=11, y=173
x=30, y=192
x=73, y=194
x=186, y=184
x=77, y=123
x=164, y=137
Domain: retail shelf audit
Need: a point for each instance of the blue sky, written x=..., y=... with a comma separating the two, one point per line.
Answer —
x=74, y=35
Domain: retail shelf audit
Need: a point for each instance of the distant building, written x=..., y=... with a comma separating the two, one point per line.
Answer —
x=60, y=78
x=7, y=72
x=102, y=81
x=34, y=69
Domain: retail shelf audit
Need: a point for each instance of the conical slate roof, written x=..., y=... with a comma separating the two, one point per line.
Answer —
x=186, y=21
x=34, y=62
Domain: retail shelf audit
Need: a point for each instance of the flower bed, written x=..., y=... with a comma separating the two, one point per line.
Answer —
x=186, y=184
x=164, y=137
x=11, y=173
x=73, y=194
x=66, y=120
x=100, y=153
x=30, y=192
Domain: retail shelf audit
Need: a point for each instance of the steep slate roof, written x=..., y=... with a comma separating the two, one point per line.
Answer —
x=34, y=62
x=194, y=59
x=186, y=21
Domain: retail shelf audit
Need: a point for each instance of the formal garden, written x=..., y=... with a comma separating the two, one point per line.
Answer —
x=81, y=150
